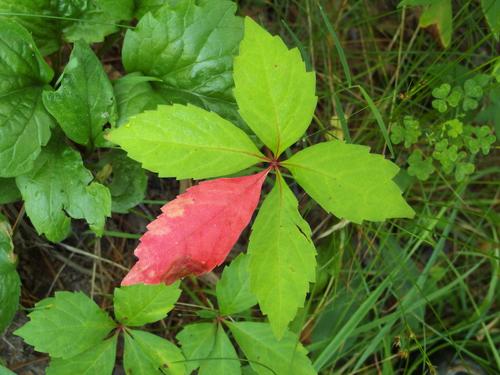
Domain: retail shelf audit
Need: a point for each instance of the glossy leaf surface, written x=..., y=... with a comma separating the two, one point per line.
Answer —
x=197, y=230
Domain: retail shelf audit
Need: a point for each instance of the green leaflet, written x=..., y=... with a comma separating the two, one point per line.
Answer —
x=491, y=10
x=59, y=187
x=190, y=46
x=99, y=359
x=84, y=102
x=266, y=354
x=161, y=353
x=8, y=191
x=57, y=321
x=139, y=304
x=89, y=21
x=10, y=284
x=197, y=341
x=127, y=182
x=135, y=94
x=144, y=6
x=282, y=257
x=135, y=361
x=439, y=13
x=186, y=142
x=24, y=123
x=5, y=371
x=349, y=182
x=233, y=288
x=275, y=94
x=223, y=359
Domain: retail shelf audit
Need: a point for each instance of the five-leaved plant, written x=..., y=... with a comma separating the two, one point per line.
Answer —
x=276, y=98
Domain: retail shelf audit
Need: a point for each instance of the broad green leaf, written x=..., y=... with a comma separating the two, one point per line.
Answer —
x=233, y=288
x=186, y=142
x=51, y=21
x=282, y=257
x=197, y=342
x=10, y=284
x=275, y=94
x=5, y=371
x=190, y=46
x=24, y=123
x=66, y=325
x=440, y=14
x=8, y=191
x=84, y=102
x=135, y=94
x=491, y=10
x=162, y=353
x=139, y=304
x=128, y=181
x=223, y=359
x=135, y=361
x=266, y=354
x=144, y=6
x=99, y=359
x=349, y=182
x=59, y=187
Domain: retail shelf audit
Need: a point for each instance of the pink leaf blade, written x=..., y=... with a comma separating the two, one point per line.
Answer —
x=197, y=230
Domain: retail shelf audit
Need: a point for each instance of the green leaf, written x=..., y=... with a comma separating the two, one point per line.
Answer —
x=52, y=21
x=223, y=359
x=59, y=187
x=24, y=123
x=275, y=94
x=197, y=342
x=190, y=46
x=267, y=355
x=84, y=101
x=491, y=10
x=349, y=182
x=57, y=321
x=282, y=257
x=162, y=353
x=409, y=133
x=186, y=142
x=139, y=304
x=135, y=94
x=233, y=289
x=10, y=284
x=144, y=6
x=5, y=371
x=442, y=91
x=128, y=181
x=8, y=191
x=135, y=361
x=440, y=14
x=99, y=359
x=420, y=167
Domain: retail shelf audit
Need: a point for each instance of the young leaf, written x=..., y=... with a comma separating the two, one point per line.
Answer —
x=57, y=321
x=186, y=142
x=440, y=14
x=349, y=182
x=128, y=180
x=139, y=304
x=267, y=355
x=233, y=288
x=59, y=186
x=190, y=46
x=275, y=94
x=282, y=255
x=197, y=342
x=10, y=284
x=491, y=10
x=84, y=101
x=197, y=230
x=99, y=359
x=223, y=359
x=24, y=122
x=162, y=353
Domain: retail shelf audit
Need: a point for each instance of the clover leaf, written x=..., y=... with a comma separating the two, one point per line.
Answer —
x=420, y=167
x=408, y=133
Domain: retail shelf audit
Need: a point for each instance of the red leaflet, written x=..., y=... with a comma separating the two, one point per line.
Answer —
x=196, y=230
